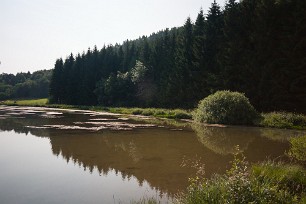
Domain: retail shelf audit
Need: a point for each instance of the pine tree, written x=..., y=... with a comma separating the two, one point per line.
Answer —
x=213, y=46
x=200, y=69
x=56, y=83
x=184, y=67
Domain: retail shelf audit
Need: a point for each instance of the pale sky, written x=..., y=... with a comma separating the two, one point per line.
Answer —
x=34, y=33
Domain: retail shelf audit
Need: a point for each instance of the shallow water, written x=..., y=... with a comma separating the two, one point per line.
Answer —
x=62, y=156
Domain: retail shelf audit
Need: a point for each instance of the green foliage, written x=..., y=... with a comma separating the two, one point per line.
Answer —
x=240, y=185
x=25, y=85
x=284, y=120
x=138, y=73
x=118, y=90
x=298, y=149
x=5, y=91
x=287, y=177
x=225, y=107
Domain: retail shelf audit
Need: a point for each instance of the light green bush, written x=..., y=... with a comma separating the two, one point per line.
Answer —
x=226, y=107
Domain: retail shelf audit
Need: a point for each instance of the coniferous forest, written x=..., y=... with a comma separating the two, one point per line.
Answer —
x=257, y=47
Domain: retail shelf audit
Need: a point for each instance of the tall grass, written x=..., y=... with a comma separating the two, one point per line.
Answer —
x=156, y=112
x=283, y=120
x=263, y=183
x=286, y=176
x=297, y=149
x=26, y=102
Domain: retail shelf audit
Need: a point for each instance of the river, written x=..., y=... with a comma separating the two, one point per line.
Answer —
x=70, y=156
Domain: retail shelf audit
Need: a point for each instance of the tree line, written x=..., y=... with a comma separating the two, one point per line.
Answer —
x=253, y=46
x=25, y=85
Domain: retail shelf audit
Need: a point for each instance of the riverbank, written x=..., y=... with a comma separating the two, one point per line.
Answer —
x=177, y=118
x=155, y=112
x=282, y=120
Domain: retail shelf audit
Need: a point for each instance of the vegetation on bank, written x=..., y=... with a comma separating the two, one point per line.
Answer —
x=26, y=102
x=155, y=112
x=234, y=108
x=298, y=148
x=290, y=177
x=268, y=182
x=283, y=120
x=274, y=119
x=226, y=107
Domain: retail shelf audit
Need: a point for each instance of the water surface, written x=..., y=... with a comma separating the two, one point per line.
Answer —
x=62, y=156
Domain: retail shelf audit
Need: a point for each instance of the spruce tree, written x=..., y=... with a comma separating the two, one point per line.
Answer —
x=200, y=69
x=56, y=83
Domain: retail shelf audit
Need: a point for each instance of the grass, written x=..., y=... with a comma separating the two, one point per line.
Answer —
x=267, y=182
x=155, y=112
x=297, y=149
x=283, y=120
x=286, y=176
x=26, y=102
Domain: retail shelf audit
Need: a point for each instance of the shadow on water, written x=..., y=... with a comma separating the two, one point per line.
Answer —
x=148, y=153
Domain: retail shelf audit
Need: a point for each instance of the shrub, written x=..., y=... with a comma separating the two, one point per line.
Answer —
x=179, y=114
x=137, y=111
x=148, y=112
x=225, y=107
x=284, y=120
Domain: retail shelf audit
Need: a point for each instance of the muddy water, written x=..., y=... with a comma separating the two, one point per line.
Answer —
x=60, y=156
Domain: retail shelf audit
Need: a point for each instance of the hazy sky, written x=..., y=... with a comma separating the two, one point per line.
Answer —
x=34, y=33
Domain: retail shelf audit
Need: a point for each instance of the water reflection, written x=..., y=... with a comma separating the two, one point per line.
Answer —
x=223, y=140
x=280, y=134
x=150, y=154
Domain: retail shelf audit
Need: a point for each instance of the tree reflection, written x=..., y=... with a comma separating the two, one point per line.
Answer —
x=223, y=140
x=150, y=155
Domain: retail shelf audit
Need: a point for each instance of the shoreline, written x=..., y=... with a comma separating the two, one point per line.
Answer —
x=172, y=117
